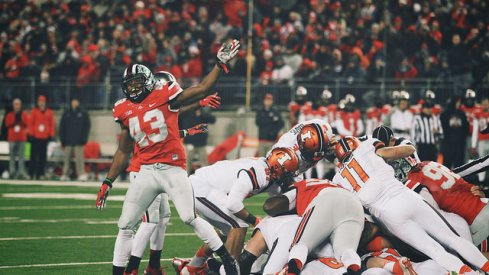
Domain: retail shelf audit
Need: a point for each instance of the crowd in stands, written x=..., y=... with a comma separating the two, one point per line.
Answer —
x=318, y=39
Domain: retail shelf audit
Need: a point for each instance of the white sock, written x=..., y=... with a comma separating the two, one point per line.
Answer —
x=122, y=247
x=141, y=238
x=158, y=237
x=206, y=233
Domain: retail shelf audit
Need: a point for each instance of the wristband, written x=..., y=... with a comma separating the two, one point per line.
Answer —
x=108, y=182
x=222, y=66
x=251, y=219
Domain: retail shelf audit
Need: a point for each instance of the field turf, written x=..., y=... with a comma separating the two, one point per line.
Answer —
x=55, y=229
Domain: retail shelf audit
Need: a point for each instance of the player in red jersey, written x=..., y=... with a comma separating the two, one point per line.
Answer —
x=327, y=211
x=453, y=194
x=470, y=107
x=482, y=140
x=331, y=108
x=295, y=106
x=349, y=121
x=149, y=119
x=376, y=115
x=429, y=99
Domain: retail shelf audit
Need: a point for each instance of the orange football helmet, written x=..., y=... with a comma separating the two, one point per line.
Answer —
x=314, y=140
x=283, y=163
x=345, y=146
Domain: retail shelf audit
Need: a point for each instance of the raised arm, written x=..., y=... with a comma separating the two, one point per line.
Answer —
x=396, y=152
x=192, y=94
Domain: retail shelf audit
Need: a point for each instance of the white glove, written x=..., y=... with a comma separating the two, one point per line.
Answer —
x=227, y=52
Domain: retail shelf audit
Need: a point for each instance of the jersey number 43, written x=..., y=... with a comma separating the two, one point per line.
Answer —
x=156, y=132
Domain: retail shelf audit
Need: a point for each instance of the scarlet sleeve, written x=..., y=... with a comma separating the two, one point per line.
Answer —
x=173, y=90
x=9, y=120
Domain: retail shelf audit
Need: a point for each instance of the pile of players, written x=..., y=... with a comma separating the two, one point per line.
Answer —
x=364, y=220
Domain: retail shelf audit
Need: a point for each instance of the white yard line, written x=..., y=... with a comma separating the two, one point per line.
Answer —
x=82, y=237
x=42, y=207
x=118, y=185
x=66, y=264
x=74, y=196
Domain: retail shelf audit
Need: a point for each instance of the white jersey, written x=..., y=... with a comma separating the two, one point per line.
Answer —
x=238, y=179
x=289, y=140
x=401, y=122
x=367, y=175
x=279, y=233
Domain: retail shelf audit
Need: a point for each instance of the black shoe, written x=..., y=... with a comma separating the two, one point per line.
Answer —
x=231, y=266
x=485, y=130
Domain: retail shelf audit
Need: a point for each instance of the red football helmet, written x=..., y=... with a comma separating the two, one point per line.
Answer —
x=313, y=141
x=345, y=146
x=283, y=163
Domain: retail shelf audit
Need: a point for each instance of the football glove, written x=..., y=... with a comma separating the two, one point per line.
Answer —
x=227, y=52
x=197, y=129
x=213, y=101
x=103, y=193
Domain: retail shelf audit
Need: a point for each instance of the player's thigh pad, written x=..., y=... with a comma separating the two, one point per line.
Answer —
x=176, y=184
x=429, y=267
x=213, y=209
x=143, y=189
x=152, y=214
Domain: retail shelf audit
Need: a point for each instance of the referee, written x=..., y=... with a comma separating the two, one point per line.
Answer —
x=426, y=132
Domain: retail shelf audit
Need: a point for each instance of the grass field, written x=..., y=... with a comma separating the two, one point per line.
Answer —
x=54, y=228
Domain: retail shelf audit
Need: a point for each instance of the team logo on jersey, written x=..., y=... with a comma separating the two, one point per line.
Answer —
x=174, y=157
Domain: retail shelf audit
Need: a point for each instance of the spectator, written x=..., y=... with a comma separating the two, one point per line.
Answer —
x=74, y=130
x=406, y=70
x=195, y=146
x=460, y=63
x=269, y=124
x=282, y=73
x=41, y=131
x=456, y=128
x=16, y=122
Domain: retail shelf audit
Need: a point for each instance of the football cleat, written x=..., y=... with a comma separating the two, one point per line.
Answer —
x=230, y=265
x=151, y=271
x=179, y=263
x=133, y=272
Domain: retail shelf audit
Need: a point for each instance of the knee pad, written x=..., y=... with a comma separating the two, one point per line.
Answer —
x=188, y=220
x=126, y=223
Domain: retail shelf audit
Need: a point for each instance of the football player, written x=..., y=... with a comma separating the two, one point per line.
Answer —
x=328, y=212
x=482, y=140
x=275, y=235
x=401, y=119
x=157, y=216
x=296, y=106
x=428, y=100
x=332, y=109
x=149, y=118
x=470, y=107
x=309, y=140
x=221, y=188
x=375, y=115
x=364, y=172
x=349, y=120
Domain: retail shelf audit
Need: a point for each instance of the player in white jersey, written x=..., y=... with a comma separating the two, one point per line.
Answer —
x=221, y=188
x=310, y=143
x=388, y=262
x=365, y=173
x=275, y=235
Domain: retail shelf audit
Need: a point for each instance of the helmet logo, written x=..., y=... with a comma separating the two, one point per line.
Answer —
x=306, y=135
x=283, y=159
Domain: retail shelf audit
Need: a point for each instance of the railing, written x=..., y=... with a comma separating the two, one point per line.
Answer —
x=232, y=90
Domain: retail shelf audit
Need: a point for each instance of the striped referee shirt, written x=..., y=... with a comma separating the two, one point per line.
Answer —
x=426, y=129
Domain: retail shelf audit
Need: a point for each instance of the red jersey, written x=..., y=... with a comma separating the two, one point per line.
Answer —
x=470, y=113
x=450, y=191
x=17, y=130
x=349, y=123
x=389, y=254
x=416, y=109
x=41, y=124
x=294, y=107
x=308, y=112
x=154, y=127
x=307, y=190
x=332, y=110
x=483, y=118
